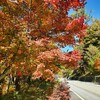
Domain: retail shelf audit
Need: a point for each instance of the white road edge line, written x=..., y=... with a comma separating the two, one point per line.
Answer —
x=77, y=94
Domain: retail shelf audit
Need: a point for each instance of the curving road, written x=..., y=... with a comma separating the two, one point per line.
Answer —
x=84, y=90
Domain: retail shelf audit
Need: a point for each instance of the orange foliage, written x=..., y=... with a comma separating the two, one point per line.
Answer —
x=97, y=64
x=30, y=31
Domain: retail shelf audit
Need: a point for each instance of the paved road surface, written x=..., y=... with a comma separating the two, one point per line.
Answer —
x=73, y=96
x=84, y=90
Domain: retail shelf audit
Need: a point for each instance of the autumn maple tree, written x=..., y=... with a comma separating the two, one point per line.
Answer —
x=31, y=32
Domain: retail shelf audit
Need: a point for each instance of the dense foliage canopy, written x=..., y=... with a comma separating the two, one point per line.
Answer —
x=30, y=33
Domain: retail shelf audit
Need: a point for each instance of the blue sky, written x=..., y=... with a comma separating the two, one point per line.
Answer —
x=93, y=5
x=67, y=49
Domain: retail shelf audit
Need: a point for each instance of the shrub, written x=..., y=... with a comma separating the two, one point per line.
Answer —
x=74, y=77
x=87, y=78
x=61, y=92
x=82, y=78
x=97, y=79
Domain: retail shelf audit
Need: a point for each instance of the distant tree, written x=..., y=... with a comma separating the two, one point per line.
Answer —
x=82, y=12
x=90, y=48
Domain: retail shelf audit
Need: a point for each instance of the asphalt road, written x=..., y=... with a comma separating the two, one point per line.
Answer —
x=84, y=90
